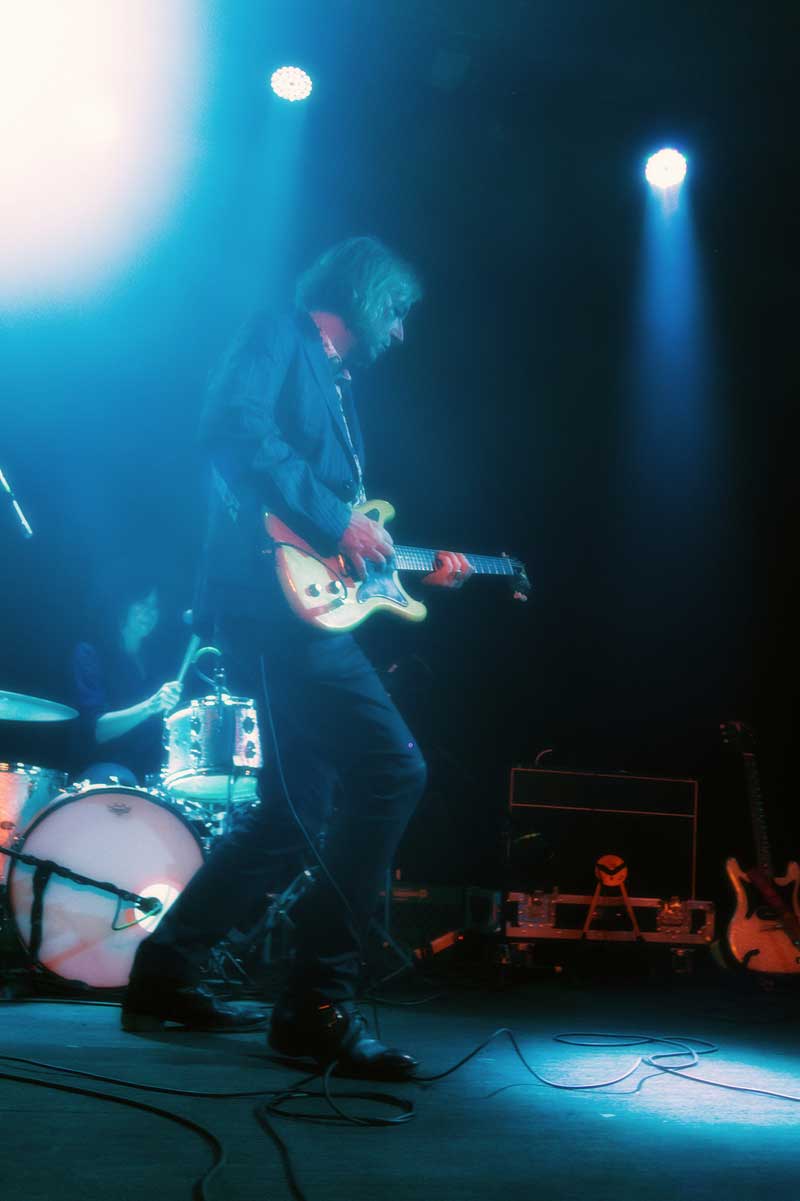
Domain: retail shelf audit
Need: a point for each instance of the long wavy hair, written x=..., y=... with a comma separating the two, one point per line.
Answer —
x=118, y=586
x=358, y=279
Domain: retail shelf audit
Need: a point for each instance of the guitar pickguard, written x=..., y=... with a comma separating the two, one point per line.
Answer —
x=322, y=593
x=381, y=585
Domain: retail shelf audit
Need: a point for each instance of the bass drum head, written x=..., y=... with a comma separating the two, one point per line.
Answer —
x=121, y=835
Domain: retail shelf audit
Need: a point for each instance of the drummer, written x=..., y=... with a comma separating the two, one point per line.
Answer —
x=120, y=692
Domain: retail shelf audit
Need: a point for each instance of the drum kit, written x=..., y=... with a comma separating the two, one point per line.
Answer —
x=88, y=870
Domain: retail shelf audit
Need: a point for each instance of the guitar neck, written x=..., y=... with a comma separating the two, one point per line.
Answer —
x=757, y=813
x=419, y=558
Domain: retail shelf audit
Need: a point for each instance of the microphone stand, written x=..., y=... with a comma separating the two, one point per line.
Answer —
x=27, y=532
x=44, y=869
x=220, y=682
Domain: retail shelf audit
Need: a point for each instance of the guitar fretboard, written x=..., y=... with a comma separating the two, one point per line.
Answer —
x=757, y=813
x=419, y=558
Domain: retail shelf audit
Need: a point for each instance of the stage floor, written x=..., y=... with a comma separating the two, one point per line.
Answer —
x=489, y=1129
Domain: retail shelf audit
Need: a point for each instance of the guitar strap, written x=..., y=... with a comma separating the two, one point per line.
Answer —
x=343, y=388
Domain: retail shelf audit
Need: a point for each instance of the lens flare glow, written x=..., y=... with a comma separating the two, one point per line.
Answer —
x=165, y=892
x=291, y=83
x=98, y=104
x=666, y=169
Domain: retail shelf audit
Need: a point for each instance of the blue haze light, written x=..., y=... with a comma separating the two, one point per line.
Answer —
x=291, y=83
x=95, y=156
x=666, y=169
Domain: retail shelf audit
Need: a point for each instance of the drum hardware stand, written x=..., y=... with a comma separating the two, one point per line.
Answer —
x=259, y=937
x=277, y=915
x=11, y=963
x=384, y=932
x=218, y=681
x=279, y=912
x=225, y=968
x=14, y=972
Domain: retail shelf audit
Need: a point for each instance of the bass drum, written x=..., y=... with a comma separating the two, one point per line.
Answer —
x=125, y=836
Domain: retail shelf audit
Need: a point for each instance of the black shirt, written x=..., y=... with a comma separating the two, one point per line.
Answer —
x=105, y=681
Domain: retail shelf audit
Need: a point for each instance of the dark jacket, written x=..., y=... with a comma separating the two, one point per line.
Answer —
x=272, y=424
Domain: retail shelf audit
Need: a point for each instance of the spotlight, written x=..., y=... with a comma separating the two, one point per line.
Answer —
x=666, y=169
x=94, y=155
x=291, y=83
x=95, y=124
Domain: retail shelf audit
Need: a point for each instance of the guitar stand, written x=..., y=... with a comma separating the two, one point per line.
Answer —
x=611, y=872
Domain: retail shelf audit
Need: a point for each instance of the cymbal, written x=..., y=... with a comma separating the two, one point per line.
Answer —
x=14, y=706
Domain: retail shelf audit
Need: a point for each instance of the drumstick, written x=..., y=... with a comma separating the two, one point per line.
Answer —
x=188, y=658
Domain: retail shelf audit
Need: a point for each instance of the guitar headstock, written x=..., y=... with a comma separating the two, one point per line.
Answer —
x=521, y=586
x=738, y=736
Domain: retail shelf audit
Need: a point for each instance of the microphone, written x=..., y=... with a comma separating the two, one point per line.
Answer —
x=149, y=905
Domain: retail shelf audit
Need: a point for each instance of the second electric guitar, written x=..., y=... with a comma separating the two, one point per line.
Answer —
x=764, y=932
x=323, y=593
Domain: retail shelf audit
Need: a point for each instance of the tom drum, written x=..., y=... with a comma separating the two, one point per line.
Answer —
x=213, y=751
x=24, y=791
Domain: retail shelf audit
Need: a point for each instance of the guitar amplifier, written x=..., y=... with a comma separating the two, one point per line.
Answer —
x=561, y=822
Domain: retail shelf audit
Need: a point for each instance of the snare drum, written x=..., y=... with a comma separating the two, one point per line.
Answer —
x=24, y=791
x=213, y=751
x=125, y=836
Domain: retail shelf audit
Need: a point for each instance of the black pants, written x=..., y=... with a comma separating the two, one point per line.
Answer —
x=346, y=754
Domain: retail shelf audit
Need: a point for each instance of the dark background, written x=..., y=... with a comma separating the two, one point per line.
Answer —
x=499, y=147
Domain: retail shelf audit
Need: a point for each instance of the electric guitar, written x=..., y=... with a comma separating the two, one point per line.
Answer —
x=323, y=593
x=764, y=932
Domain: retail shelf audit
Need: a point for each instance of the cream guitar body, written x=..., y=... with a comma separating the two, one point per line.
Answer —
x=764, y=933
x=762, y=936
x=323, y=592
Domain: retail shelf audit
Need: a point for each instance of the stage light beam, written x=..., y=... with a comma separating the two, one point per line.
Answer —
x=99, y=104
x=291, y=83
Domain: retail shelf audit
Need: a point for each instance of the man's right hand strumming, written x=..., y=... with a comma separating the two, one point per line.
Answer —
x=365, y=539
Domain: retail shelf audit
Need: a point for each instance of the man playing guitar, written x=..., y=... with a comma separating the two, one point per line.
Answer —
x=283, y=436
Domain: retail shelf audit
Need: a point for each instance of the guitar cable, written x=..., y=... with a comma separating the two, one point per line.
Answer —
x=273, y=1103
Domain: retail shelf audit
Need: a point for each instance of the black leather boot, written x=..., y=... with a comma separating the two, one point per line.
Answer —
x=150, y=1003
x=329, y=1031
